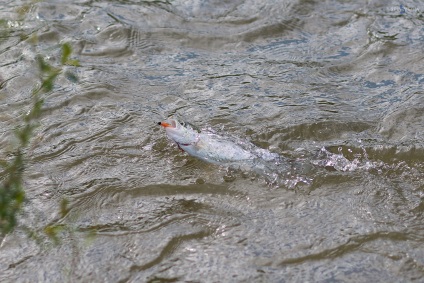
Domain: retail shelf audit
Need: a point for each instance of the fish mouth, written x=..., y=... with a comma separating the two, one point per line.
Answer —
x=171, y=124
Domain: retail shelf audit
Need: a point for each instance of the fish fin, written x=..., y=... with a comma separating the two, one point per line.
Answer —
x=180, y=147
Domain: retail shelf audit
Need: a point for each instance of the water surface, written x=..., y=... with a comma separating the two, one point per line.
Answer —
x=335, y=84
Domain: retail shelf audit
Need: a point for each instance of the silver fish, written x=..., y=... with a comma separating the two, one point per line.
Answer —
x=207, y=147
x=216, y=149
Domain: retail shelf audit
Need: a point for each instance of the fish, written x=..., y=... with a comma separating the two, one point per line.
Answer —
x=204, y=146
x=277, y=170
x=212, y=148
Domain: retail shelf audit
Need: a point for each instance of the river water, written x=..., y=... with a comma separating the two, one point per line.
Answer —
x=337, y=85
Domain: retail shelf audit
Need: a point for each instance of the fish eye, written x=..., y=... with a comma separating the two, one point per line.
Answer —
x=183, y=124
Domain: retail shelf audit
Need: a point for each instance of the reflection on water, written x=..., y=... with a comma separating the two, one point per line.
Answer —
x=334, y=84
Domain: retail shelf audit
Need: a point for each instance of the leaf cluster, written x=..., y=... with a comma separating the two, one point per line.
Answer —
x=12, y=193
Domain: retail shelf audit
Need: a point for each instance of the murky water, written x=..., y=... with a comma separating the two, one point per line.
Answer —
x=334, y=84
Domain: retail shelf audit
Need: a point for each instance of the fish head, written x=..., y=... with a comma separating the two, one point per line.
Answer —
x=181, y=133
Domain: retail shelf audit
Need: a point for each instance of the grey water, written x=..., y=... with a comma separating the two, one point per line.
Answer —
x=336, y=84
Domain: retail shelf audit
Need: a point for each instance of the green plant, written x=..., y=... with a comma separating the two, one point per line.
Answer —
x=12, y=192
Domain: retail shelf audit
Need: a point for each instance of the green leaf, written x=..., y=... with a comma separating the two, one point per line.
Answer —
x=73, y=62
x=64, y=208
x=44, y=67
x=66, y=52
x=48, y=83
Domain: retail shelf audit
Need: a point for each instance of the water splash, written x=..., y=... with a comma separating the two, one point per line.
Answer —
x=337, y=161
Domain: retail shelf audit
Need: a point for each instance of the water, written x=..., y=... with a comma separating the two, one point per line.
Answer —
x=335, y=84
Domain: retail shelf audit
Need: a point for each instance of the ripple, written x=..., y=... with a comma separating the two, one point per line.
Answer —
x=113, y=41
x=325, y=82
